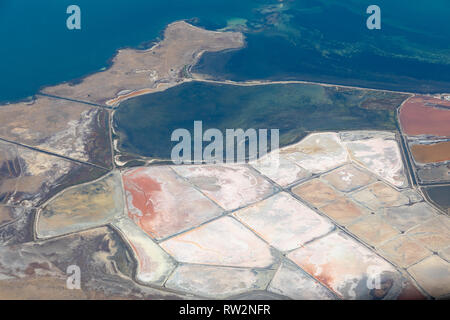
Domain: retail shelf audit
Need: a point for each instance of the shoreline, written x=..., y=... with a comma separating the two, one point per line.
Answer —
x=156, y=43
x=136, y=71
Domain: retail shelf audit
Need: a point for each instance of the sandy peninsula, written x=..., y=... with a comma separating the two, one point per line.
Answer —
x=134, y=72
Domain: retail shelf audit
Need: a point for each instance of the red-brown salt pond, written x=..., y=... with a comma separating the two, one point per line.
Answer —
x=431, y=153
x=426, y=115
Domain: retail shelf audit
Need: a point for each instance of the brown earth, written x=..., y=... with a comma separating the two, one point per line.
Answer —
x=37, y=270
x=166, y=62
x=66, y=128
x=431, y=153
x=28, y=177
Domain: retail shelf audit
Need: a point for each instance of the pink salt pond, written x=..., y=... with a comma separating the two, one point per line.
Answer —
x=163, y=204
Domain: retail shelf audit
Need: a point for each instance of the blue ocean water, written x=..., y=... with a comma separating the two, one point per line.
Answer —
x=37, y=49
x=320, y=40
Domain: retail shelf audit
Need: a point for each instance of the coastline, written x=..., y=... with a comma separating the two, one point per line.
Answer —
x=135, y=70
x=162, y=84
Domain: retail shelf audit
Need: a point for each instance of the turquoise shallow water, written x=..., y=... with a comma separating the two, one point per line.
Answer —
x=320, y=40
x=328, y=41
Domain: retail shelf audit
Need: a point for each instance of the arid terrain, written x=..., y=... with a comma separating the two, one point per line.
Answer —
x=340, y=208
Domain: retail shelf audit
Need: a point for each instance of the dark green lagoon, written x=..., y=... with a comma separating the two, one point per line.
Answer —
x=144, y=124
